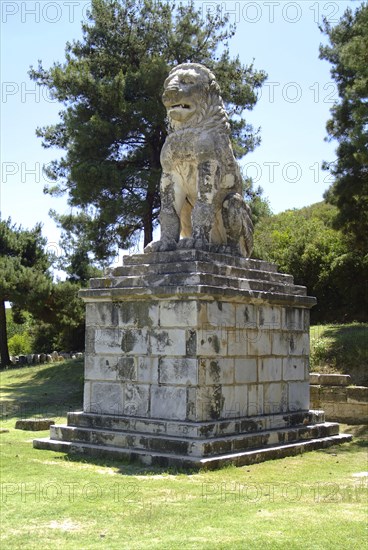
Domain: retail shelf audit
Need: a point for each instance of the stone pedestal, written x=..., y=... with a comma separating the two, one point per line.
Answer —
x=195, y=358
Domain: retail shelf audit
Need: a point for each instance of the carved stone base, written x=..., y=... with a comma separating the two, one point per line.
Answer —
x=195, y=358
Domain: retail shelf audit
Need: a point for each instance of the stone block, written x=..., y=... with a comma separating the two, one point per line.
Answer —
x=191, y=337
x=334, y=379
x=106, y=398
x=245, y=370
x=259, y=342
x=110, y=367
x=126, y=369
x=269, y=369
x=139, y=314
x=136, y=400
x=168, y=402
x=306, y=320
x=211, y=343
x=147, y=369
x=275, y=398
x=235, y=401
x=246, y=316
x=293, y=319
x=131, y=341
x=205, y=403
x=269, y=317
x=241, y=397
x=350, y=413
x=334, y=394
x=219, y=371
x=101, y=314
x=298, y=396
x=229, y=408
x=168, y=342
x=314, y=378
x=107, y=341
x=221, y=314
x=33, y=424
x=255, y=399
x=290, y=343
x=99, y=368
x=237, y=342
x=178, y=313
x=89, y=342
x=358, y=394
x=178, y=371
x=87, y=396
x=293, y=368
x=314, y=393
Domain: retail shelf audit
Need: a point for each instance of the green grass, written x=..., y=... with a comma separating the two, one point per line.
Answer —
x=51, y=500
x=341, y=348
x=51, y=389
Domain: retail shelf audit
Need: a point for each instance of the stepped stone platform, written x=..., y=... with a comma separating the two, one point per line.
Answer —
x=195, y=358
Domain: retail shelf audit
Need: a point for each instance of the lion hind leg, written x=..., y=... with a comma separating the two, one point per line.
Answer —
x=238, y=224
x=186, y=220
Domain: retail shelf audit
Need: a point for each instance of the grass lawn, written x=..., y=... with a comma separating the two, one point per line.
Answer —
x=317, y=500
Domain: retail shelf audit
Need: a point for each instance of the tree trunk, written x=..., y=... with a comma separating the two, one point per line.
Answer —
x=147, y=221
x=4, y=351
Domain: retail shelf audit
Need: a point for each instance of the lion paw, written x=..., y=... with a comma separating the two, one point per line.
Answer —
x=190, y=243
x=187, y=243
x=164, y=245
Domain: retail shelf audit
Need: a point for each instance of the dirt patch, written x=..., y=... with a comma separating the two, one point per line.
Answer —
x=65, y=525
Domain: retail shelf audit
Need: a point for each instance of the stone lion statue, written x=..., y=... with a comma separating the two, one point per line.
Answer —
x=201, y=185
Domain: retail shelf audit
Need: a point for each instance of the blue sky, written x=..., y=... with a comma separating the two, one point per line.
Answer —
x=281, y=36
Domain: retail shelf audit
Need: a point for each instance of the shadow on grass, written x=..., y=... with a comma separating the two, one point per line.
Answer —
x=126, y=467
x=47, y=390
x=359, y=442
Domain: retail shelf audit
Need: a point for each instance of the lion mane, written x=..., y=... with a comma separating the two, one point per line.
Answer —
x=210, y=111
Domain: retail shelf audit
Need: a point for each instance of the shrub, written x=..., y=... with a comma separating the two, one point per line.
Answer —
x=20, y=344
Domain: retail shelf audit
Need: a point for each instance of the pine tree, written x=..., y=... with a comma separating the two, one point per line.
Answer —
x=24, y=278
x=347, y=51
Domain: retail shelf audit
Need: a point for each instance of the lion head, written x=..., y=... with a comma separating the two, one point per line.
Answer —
x=192, y=98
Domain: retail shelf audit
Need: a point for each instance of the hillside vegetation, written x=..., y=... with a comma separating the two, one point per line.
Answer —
x=341, y=349
x=305, y=244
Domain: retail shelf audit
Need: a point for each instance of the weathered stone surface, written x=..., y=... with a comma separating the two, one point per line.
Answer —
x=269, y=369
x=329, y=379
x=298, y=396
x=347, y=404
x=245, y=370
x=165, y=460
x=193, y=444
x=168, y=402
x=183, y=370
x=357, y=394
x=106, y=398
x=294, y=368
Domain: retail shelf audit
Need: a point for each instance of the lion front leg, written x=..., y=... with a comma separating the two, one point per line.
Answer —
x=204, y=211
x=169, y=218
